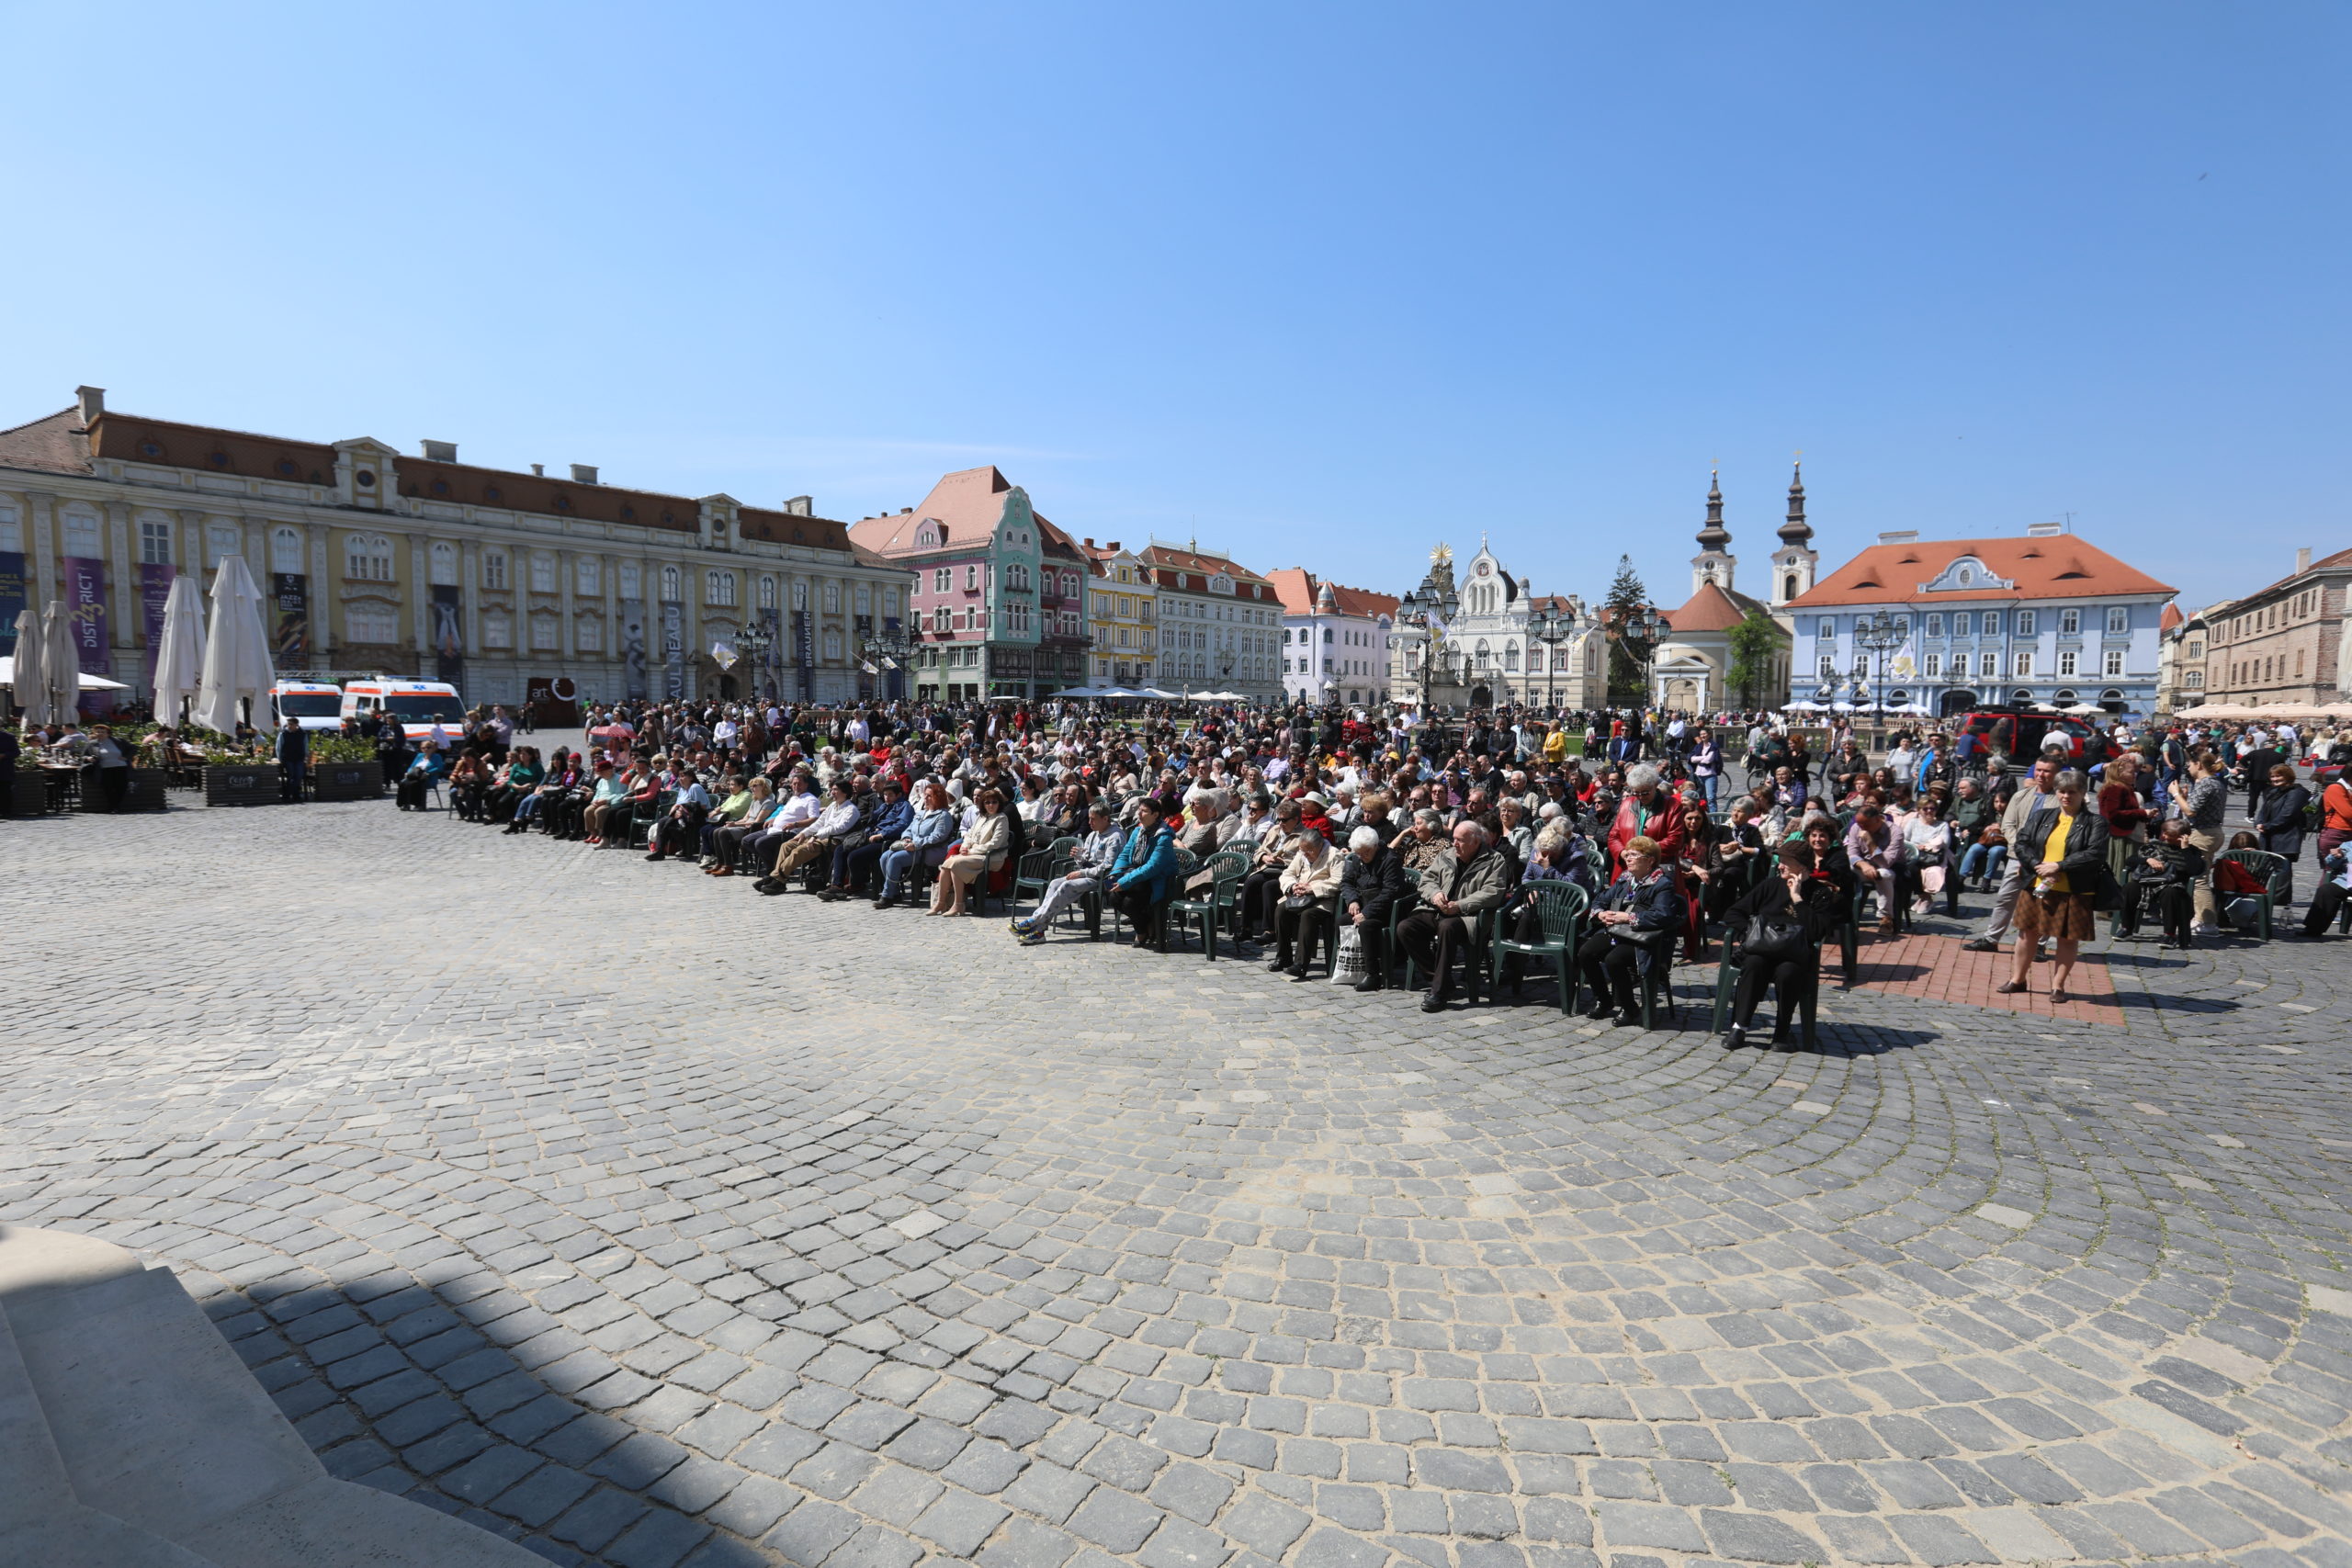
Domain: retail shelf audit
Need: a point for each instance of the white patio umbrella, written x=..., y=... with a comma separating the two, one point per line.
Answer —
x=87, y=681
x=179, y=656
x=28, y=686
x=236, y=651
x=61, y=663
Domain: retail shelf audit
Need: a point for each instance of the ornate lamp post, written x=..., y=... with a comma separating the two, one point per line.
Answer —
x=1877, y=635
x=1639, y=632
x=756, y=640
x=1552, y=628
x=891, y=648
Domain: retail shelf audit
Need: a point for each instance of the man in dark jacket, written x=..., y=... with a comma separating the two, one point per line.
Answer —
x=293, y=756
x=1370, y=884
x=1455, y=889
x=855, y=857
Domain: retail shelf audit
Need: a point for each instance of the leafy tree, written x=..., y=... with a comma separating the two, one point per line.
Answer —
x=1627, y=687
x=1754, y=643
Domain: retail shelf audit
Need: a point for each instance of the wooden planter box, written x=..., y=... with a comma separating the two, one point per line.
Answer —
x=346, y=780
x=241, y=783
x=145, y=793
x=28, y=795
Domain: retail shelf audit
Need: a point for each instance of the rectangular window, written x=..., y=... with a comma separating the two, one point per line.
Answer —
x=494, y=568
x=155, y=543
x=2069, y=663
x=2118, y=620
x=1988, y=664
x=1991, y=623
x=587, y=577
x=1961, y=625
x=1828, y=669
x=2023, y=666
x=2025, y=623
x=542, y=574
x=2114, y=663
x=2070, y=623
x=971, y=578
x=1935, y=626
x=1935, y=665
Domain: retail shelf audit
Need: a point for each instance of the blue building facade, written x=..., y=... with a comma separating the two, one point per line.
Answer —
x=2046, y=619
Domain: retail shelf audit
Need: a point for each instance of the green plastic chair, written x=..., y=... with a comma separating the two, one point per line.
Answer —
x=2277, y=874
x=1038, y=868
x=1227, y=867
x=1559, y=910
x=1728, y=975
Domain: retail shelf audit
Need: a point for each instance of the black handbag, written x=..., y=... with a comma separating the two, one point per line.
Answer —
x=1773, y=938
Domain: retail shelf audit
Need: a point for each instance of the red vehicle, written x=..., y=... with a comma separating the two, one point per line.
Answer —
x=2029, y=729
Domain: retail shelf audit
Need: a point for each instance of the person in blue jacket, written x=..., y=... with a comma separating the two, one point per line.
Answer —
x=1144, y=873
x=925, y=843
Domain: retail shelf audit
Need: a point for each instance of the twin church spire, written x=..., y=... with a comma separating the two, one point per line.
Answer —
x=1793, y=563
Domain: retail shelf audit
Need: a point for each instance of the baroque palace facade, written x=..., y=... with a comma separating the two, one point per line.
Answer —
x=497, y=582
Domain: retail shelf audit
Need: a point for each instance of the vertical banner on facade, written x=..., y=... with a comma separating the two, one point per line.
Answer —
x=674, y=650
x=290, y=635
x=804, y=653
x=85, y=601
x=633, y=649
x=449, y=636
x=155, y=597
x=12, y=597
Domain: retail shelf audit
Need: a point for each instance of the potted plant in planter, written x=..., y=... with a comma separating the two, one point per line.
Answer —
x=344, y=770
x=235, y=775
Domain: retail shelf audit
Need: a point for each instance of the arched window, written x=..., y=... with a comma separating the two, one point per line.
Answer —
x=719, y=588
x=444, y=566
x=1510, y=656
x=1484, y=658
x=286, y=551
x=367, y=557
x=670, y=584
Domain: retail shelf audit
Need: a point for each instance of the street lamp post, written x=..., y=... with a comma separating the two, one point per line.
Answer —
x=1638, y=632
x=1430, y=609
x=756, y=640
x=1878, y=634
x=892, y=646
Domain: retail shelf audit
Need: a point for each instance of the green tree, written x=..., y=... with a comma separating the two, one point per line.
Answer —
x=1754, y=643
x=1627, y=687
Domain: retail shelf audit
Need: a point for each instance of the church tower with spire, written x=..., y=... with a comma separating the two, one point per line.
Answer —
x=1794, y=563
x=1714, y=562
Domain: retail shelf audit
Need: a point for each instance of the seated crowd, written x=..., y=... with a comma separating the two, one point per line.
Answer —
x=1457, y=865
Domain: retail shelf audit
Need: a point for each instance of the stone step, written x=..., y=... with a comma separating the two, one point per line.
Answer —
x=156, y=1422
x=40, y=1518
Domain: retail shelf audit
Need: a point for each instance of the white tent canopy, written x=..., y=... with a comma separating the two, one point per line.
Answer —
x=236, y=652
x=89, y=683
x=179, y=656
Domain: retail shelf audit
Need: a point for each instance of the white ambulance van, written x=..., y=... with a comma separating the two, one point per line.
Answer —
x=312, y=705
x=418, y=705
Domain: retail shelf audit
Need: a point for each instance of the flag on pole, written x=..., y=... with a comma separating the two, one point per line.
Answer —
x=868, y=665
x=724, y=652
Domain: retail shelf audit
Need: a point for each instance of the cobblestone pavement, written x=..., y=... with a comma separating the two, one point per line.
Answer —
x=649, y=1222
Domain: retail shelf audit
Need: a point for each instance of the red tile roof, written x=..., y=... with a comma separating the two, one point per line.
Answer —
x=2058, y=565
x=1301, y=591
x=1169, y=562
x=53, y=444
x=2171, y=619
x=1709, y=610
x=2336, y=562
x=970, y=502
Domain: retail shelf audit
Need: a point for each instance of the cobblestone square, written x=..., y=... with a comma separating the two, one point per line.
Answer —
x=650, y=1222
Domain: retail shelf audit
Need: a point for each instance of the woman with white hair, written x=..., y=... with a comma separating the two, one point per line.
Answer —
x=1651, y=811
x=1308, y=885
x=1371, y=881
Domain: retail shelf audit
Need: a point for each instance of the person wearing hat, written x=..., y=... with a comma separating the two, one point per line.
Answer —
x=1309, y=884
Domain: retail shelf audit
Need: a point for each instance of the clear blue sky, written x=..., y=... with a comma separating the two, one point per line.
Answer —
x=1333, y=281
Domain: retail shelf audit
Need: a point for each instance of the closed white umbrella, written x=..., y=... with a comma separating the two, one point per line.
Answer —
x=62, y=663
x=27, y=680
x=179, y=656
x=236, y=651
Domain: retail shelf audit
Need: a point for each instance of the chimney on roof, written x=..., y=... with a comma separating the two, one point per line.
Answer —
x=1898, y=535
x=2303, y=561
x=540, y=469
x=583, y=474
x=800, y=506
x=904, y=510
x=439, y=451
x=93, y=400
x=2044, y=530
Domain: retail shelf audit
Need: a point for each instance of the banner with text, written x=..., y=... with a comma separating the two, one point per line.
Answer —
x=674, y=650
x=290, y=635
x=12, y=597
x=155, y=597
x=449, y=636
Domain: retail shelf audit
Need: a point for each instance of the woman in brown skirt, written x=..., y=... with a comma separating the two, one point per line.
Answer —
x=2064, y=855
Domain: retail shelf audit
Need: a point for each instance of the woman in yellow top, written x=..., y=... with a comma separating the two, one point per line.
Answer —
x=1555, y=745
x=2064, y=854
